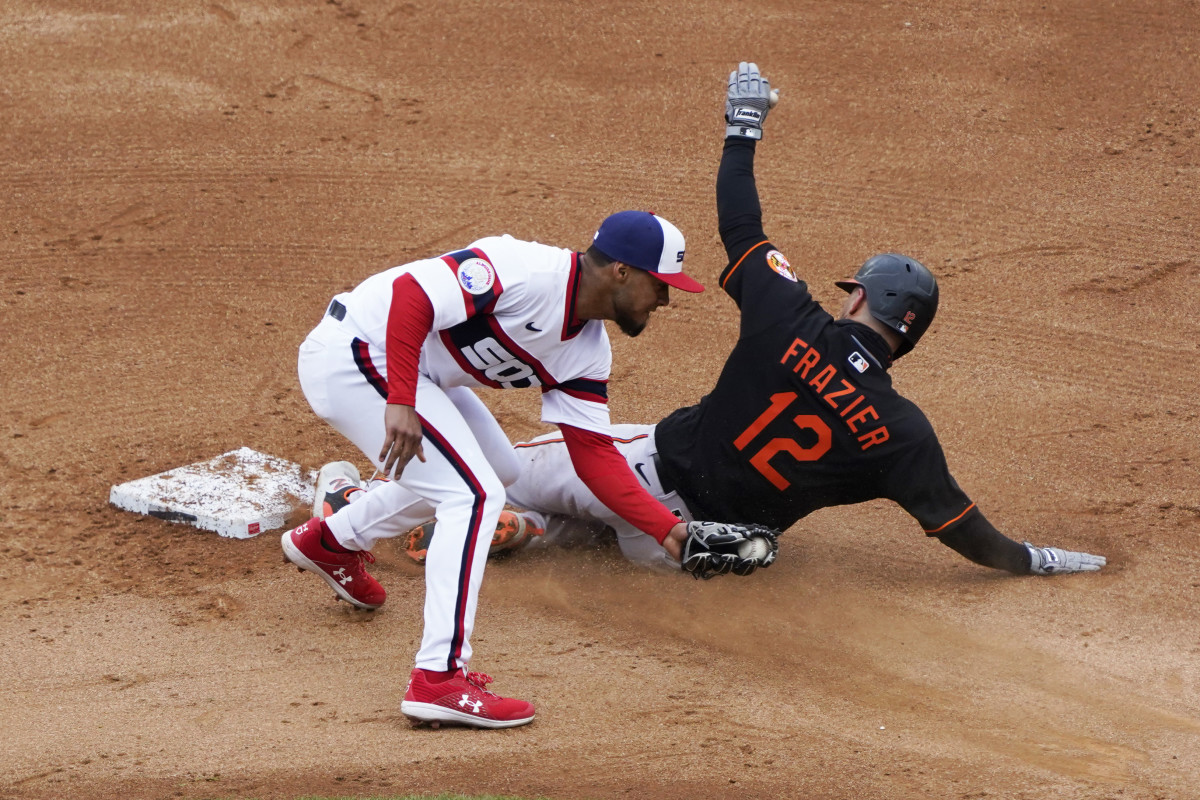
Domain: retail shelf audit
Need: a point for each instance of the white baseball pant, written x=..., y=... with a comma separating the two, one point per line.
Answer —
x=549, y=485
x=459, y=483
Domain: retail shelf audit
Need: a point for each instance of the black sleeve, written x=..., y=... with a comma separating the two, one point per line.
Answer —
x=919, y=478
x=739, y=214
x=976, y=539
x=758, y=277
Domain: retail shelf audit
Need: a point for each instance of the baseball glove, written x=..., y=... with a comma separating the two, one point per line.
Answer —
x=715, y=548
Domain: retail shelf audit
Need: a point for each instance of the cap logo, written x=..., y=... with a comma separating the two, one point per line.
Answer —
x=476, y=275
x=679, y=257
x=909, y=318
x=777, y=262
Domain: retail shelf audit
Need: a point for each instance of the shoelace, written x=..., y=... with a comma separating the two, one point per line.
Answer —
x=480, y=680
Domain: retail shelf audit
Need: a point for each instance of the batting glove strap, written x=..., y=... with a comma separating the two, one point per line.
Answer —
x=744, y=131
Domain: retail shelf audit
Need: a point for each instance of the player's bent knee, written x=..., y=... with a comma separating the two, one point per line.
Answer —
x=507, y=467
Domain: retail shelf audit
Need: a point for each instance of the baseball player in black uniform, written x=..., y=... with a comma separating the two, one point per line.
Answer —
x=804, y=415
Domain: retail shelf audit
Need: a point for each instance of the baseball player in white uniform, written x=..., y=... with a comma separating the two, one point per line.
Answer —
x=392, y=365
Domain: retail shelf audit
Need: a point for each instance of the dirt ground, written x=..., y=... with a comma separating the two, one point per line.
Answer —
x=187, y=184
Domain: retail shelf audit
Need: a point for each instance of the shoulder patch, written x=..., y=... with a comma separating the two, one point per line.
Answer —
x=476, y=275
x=777, y=262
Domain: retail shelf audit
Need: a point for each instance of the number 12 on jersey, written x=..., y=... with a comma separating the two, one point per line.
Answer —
x=761, y=457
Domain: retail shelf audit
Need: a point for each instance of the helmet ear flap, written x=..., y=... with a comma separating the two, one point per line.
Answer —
x=901, y=293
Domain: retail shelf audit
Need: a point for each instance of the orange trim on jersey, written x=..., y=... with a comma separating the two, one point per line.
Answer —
x=951, y=522
x=740, y=260
x=560, y=439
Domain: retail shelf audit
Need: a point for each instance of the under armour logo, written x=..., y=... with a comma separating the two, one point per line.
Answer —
x=474, y=705
x=342, y=577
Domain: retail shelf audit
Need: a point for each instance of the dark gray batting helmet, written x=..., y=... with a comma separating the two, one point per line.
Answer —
x=901, y=293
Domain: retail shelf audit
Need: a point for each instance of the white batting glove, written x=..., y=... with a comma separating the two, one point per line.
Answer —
x=1053, y=561
x=747, y=102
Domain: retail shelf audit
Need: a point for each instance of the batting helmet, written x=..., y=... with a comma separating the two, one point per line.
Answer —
x=901, y=293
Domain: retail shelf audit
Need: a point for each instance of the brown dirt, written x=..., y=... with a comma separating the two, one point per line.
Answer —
x=186, y=186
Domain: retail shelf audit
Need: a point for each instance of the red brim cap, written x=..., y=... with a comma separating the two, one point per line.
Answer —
x=679, y=281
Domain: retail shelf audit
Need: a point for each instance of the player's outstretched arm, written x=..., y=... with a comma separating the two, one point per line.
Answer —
x=976, y=539
x=739, y=213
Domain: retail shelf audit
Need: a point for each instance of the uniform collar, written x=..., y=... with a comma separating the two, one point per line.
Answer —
x=871, y=341
x=572, y=324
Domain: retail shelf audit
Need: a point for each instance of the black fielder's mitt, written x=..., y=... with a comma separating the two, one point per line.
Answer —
x=715, y=548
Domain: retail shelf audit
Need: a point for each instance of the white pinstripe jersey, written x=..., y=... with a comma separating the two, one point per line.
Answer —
x=503, y=316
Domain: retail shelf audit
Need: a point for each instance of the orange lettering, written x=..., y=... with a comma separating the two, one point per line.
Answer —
x=829, y=397
x=861, y=417
x=793, y=350
x=807, y=362
x=823, y=377
x=877, y=436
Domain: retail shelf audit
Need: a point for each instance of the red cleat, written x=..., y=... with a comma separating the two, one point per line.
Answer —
x=345, y=572
x=462, y=699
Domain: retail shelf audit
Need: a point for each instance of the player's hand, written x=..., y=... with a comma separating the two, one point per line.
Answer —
x=747, y=102
x=1053, y=560
x=673, y=544
x=401, y=439
x=716, y=548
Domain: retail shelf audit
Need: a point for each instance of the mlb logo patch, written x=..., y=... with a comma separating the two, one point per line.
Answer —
x=858, y=361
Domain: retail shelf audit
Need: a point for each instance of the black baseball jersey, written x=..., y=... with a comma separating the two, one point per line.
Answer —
x=804, y=415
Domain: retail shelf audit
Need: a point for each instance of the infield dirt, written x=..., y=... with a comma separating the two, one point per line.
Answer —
x=186, y=186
